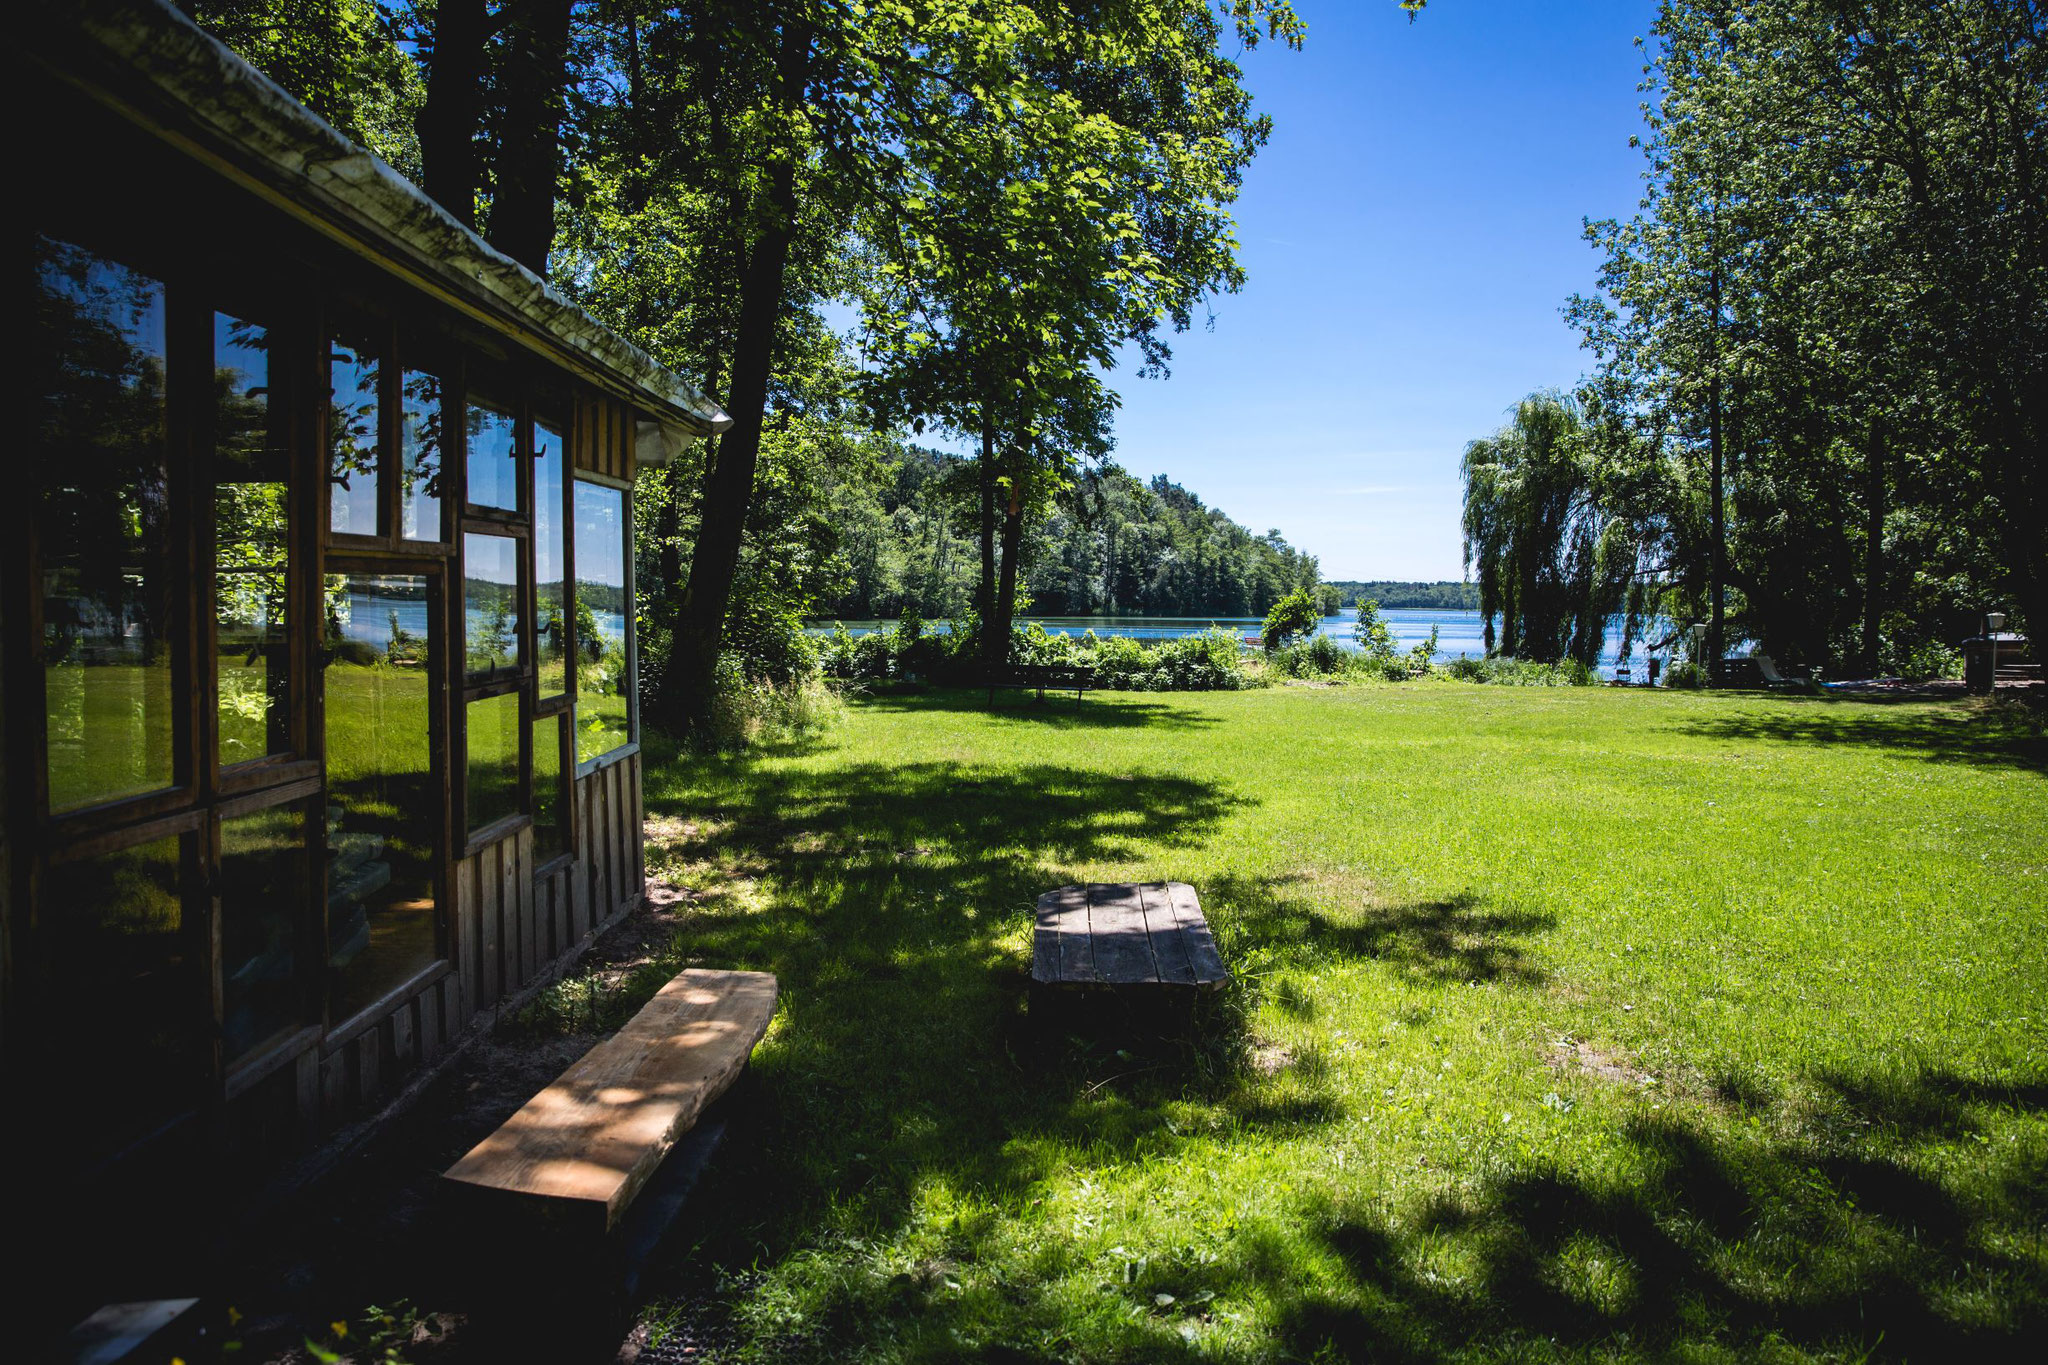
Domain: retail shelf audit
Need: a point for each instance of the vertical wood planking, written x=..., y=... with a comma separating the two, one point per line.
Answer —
x=638, y=833
x=487, y=977
x=508, y=913
x=532, y=936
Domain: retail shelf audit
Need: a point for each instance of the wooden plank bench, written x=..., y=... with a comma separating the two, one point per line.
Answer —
x=576, y=1157
x=1147, y=935
x=1039, y=677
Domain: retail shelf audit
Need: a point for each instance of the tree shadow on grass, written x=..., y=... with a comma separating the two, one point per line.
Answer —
x=1961, y=732
x=1833, y=1246
x=1455, y=939
x=1097, y=710
x=909, y=1120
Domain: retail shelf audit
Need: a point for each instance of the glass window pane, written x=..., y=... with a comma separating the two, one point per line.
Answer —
x=493, y=737
x=601, y=607
x=419, y=488
x=353, y=506
x=127, y=1006
x=263, y=874
x=97, y=357
x=550, y=456
x=493, y=457
x=490, y=603
x=550, y=791
x=251, y=536
x=384, y=802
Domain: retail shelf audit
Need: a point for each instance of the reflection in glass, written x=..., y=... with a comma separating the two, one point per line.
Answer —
x=123, y=1052
x=419, y=486
x=384, y=800
x=550, y=456
x=493, y=738
x=96, y=364
x=263, y=876
x=550, y=795
x=601, y=607
x=493, y=457
x=251, y=533
x=353, y=506
x=490, y=603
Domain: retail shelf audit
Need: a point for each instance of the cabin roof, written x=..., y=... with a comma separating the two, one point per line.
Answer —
x=156, y=68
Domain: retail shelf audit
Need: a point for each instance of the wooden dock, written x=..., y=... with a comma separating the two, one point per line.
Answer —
x=1143, y=935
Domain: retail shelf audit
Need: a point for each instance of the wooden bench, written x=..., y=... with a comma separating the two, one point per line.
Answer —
x=578, y=1156
x=1039, y=677
x=1148, y=936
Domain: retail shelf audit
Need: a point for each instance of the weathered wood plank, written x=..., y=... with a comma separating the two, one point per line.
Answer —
x=1119, y=934
x=1194, y=928
x=582, y=1149
x=468, y=941
x=1169, y=942
x=1116, y=933
x=488, y=966
x=1045, y=936
x=1076, y=952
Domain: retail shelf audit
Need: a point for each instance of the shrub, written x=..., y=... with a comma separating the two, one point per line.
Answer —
x=1510, y=672
x=1422, y=655
x=1375, y=641
x=751, y=711
x=1465, y=668
x=1932, y=659
x=1295, y=615
x=1320, y=657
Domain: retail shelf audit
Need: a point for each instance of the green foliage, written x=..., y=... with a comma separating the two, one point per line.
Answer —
x=1839, y=279
x=1397, y=595
x=1295, y=615
x=1375, y=640
x=1422, y=654
x=1321, y=657
x=1209, y=661
x=749, y=711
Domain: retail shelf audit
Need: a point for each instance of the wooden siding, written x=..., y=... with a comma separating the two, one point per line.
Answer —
x=511, y=929
x=603, y=438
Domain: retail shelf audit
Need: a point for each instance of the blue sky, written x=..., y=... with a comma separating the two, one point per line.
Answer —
x=1410, y=232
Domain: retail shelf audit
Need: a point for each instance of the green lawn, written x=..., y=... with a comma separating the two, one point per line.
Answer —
x=1573, y=1023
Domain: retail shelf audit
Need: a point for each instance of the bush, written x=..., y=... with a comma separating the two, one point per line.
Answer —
x=1320, y=657
x=1520, y=672
x=1295, y=615
x=747, y=711
x=1375, y=641
x=1931, y=660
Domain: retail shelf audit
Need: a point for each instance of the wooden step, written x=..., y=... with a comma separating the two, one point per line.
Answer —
x=579, y=1152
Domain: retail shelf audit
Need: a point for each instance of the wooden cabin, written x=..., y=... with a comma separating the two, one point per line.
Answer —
x=318, y=660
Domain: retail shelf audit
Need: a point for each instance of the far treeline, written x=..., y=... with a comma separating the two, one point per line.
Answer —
x=1818, y=416
x=1107, y=544
x=1386, y=593
x=1012, y=196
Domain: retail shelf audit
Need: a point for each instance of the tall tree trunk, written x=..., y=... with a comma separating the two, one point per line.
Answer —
x=997, y=638
x=985, y=472
x=1873, y=546
x=529, y=159
x=447, y=122
x=729, y=477
x=1717, y=512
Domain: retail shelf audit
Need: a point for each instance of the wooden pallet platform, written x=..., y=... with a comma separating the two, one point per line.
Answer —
x=1117, y=934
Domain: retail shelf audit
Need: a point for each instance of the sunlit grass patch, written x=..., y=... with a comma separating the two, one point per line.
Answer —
x=1566, y=1024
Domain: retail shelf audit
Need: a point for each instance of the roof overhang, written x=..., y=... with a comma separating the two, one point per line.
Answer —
x=151, y=65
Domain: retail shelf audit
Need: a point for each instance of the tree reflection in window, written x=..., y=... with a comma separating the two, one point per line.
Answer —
x=419, y=489
x=602, y=680
x=353, y=440
x=550, y=456
x=251, y=540
x=95, y=359
x=490, y=604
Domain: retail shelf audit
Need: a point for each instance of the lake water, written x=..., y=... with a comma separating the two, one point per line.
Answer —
x=368, y=619
x=1458, y=632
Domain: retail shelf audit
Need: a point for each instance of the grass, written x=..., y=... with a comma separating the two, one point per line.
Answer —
x=1575, y=1024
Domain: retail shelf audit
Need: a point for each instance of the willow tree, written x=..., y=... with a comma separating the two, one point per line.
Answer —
x=1552, y=560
